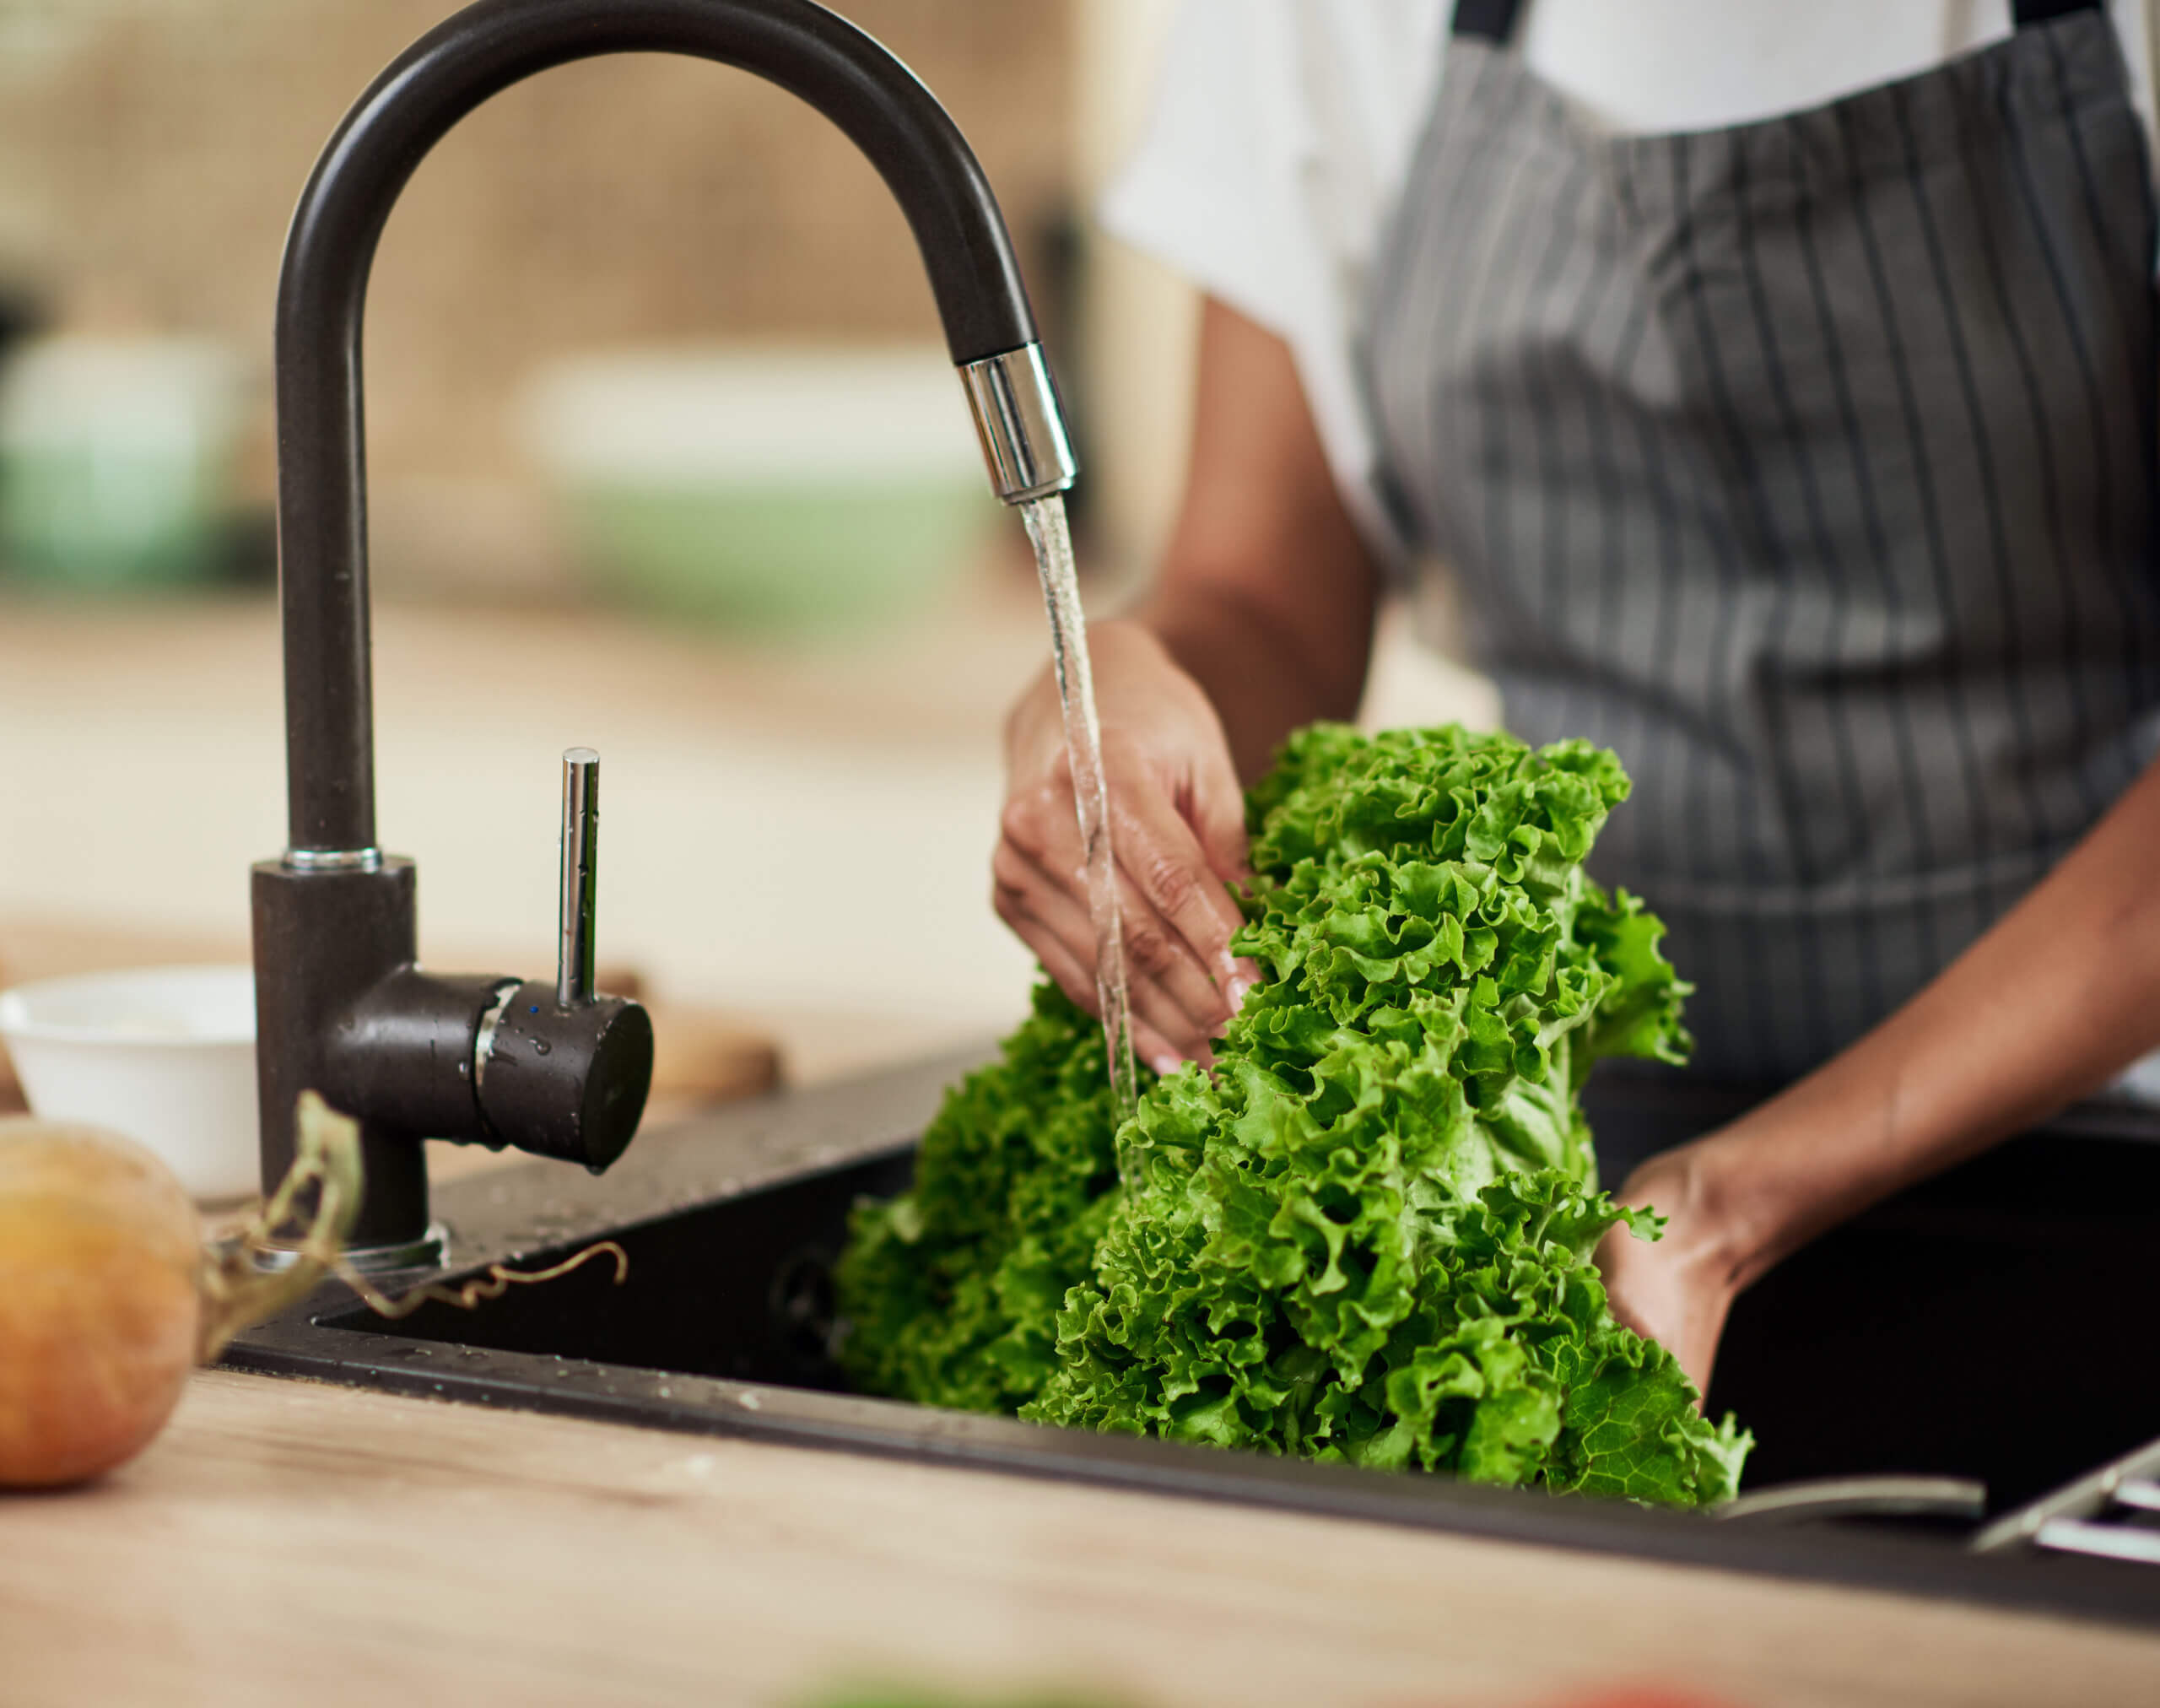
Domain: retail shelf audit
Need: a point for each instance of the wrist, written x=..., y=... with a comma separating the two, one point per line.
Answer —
x=1700, y=1189
x=1756, y=1191
x=1035, y=727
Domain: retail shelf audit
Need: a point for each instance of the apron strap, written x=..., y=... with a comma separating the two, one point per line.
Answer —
x=1495, y=20
x=1489, y=20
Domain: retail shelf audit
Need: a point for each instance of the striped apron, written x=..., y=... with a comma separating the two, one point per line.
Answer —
x=1808, y=464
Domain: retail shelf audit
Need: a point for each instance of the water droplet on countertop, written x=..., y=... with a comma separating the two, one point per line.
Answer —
x=539, y=1046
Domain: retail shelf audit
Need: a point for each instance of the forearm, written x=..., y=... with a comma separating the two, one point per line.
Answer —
x=1266, y=594
x=1264, y=679
x=2060, y=995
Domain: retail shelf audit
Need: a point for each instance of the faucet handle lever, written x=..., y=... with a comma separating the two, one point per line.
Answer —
x=581, y=876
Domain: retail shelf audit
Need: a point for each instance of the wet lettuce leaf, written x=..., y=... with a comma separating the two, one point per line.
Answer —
x=951, y=1291
x=1368, y=1236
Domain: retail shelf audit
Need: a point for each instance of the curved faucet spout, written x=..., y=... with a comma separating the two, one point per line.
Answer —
x=322, y=293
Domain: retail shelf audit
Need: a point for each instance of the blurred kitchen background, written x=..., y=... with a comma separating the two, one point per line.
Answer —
x=609, y=316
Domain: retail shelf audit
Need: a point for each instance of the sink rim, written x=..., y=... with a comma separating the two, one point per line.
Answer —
x=536, y=1207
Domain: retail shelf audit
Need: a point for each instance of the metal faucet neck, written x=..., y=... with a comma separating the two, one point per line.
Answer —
x=322, y=293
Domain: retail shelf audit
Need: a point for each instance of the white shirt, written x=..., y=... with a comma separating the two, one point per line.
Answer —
x=1282, y=130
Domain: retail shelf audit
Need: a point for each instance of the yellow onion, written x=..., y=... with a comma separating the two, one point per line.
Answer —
x=100, y=1302
x=108, y=1298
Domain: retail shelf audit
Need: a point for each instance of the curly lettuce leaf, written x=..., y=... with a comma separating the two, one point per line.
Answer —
x=951, y=1290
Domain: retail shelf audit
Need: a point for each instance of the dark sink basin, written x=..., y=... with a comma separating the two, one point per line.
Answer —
x=1987, y=1325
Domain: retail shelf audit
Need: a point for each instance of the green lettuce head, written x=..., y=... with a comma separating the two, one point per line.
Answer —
x=1368, y=1236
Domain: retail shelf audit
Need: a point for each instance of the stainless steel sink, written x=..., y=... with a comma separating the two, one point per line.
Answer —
x=1986, y=1326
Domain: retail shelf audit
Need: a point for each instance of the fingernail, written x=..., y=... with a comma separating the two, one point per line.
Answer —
x=1240, y=988
x=1165, y=1065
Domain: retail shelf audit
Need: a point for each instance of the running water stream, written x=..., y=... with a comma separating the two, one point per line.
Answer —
x=1083, y=740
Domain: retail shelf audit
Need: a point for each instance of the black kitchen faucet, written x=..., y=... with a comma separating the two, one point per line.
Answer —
x=342, y=1005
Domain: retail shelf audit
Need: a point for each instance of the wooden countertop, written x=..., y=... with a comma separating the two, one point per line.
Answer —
x=287, y=1542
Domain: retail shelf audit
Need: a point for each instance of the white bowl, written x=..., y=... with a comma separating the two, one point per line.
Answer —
x=166, y=1056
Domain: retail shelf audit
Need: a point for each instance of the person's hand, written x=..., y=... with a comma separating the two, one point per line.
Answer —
x=1177, y=823
x=1676, y=1290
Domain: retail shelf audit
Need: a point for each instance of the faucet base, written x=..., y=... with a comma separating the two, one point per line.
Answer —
x=431, y=1251
x=323, y=941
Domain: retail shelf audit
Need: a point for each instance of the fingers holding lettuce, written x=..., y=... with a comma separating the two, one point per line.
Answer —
x=1177, y=827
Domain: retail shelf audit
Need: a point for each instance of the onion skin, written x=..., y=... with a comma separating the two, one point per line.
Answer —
x=100, y=1311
